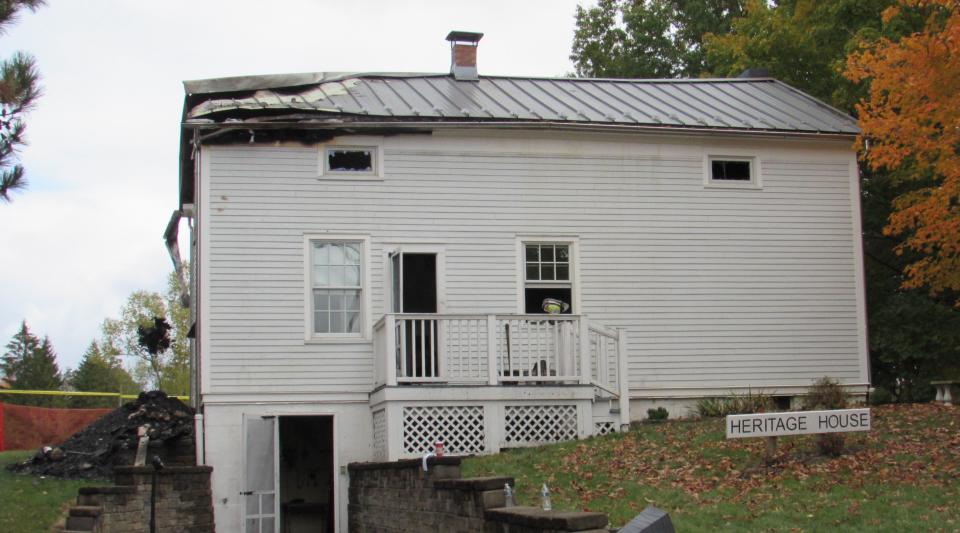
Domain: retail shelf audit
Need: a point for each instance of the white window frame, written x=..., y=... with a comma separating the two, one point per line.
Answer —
x=358, y=142
x=573, y=242
x=753, y=183
x=365, y=334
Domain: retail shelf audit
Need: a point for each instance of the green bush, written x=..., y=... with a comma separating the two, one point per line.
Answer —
x=880, y=396
x=658, y=414
x=735, y=404
x=827, y=393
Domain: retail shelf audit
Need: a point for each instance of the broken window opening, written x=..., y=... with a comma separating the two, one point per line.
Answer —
x=360, y=160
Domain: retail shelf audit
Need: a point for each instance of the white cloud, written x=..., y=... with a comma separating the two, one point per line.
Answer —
x=102, y=159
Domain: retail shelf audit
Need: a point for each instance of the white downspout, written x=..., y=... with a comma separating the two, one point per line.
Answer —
x=198, y=439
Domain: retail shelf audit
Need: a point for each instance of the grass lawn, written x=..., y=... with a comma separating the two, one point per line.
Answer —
x=902, y=476
x=31, y=504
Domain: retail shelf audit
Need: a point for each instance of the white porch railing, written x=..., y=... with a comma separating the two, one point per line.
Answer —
x=500, y=349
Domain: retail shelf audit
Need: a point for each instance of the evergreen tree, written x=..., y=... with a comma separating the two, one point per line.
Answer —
x=19, y=90
x=99, y=373
x=19, y=348
x=31, y=364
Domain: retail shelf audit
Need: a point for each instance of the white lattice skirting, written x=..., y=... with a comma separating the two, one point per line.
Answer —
x=604, y=428
x=380, y=435
x=460, y=427
x=533, y=424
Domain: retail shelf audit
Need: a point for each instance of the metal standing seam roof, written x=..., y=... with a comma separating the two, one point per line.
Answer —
x=748, y=104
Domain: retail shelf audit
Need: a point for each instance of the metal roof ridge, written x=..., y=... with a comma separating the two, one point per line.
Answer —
x=275, y=81
x=818, y=102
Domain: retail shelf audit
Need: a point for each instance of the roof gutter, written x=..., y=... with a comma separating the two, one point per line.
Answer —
x=171, y=239
x=519, y=125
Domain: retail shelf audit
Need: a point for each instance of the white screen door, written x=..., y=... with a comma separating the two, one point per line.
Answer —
x=260, y=475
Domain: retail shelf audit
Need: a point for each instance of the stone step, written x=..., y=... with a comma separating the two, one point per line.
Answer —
x=94, y=495
x=81, y=523
x=82, y=517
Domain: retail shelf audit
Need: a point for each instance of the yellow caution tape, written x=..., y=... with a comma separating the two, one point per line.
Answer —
x=79, y=393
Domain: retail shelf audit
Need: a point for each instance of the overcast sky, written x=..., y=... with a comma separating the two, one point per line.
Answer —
x=102, y=158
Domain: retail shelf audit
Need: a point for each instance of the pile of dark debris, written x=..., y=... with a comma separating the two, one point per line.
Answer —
x=112, y=440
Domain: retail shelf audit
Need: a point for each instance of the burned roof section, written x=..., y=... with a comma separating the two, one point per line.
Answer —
x=744, y=104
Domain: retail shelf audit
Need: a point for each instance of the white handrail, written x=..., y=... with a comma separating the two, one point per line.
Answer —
x=473, y=348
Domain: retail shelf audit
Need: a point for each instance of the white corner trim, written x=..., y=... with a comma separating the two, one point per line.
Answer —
x=203, y=265
x=858, y=271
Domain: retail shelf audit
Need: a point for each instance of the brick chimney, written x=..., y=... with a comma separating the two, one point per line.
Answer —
x=463, y=54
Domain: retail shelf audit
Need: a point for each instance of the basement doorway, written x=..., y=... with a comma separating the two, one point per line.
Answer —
x=306, y=473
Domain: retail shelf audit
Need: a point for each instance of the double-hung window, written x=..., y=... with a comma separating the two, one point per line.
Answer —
x=547, y=269
x=336, y=287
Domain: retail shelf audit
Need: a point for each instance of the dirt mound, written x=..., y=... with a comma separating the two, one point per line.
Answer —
x=112, y=440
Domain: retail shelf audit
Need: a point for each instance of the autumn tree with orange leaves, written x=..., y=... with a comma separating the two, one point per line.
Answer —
x=910, y=125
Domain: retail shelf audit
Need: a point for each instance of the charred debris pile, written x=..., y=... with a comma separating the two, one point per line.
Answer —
x=112, y=440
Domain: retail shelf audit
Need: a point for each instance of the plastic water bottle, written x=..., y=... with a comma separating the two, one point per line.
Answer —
x=545, y=497
x=507, y=495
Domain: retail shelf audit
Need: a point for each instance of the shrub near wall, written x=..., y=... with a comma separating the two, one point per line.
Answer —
x=827, y=393
x=735, y=404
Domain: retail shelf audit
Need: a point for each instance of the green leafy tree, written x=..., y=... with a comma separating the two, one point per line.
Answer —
x=100, y=373
x=166, y=368
x=648, y=38
x=913, y=337
x=19, y=91
x=801, y=42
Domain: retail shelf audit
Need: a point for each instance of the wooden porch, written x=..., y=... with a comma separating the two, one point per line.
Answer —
x=433, y=370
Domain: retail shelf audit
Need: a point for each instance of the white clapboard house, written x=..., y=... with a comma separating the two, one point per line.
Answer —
x=371, y=255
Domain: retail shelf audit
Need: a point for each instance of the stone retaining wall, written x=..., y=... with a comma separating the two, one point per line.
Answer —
x=399, y=497
x=183, y=502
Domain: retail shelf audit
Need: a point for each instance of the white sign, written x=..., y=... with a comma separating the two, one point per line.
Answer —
x=797, y=423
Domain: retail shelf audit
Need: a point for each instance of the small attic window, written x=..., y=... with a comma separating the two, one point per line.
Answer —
x=351, y=159
x=732, y=171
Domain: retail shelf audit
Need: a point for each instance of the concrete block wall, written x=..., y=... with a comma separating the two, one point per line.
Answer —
x=399, y=496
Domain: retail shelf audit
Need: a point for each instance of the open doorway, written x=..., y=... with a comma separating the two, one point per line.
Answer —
x=306, y=472
x=414, y=291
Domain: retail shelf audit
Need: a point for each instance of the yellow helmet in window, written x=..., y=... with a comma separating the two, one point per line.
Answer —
x=552, y=306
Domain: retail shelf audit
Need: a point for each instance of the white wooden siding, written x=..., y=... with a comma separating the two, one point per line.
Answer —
x=718, y=288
